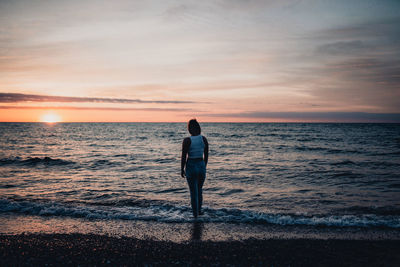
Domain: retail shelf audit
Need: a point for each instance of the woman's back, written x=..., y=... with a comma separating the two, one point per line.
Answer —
x=196, y=148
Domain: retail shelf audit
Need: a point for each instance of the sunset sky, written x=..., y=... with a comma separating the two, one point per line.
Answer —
x=225, y=60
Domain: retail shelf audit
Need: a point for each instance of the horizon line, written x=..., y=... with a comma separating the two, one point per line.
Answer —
x=249, y=122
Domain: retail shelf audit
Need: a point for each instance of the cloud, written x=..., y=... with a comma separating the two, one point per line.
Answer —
x=382, y=29
x=16, y=97
x=360, y=84
x=375, y=70
x=355, y=67
x=316, y=116
x=340, y=48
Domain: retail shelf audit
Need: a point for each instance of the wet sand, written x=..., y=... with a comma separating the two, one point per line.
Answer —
x=13, y=224
x=91, y=249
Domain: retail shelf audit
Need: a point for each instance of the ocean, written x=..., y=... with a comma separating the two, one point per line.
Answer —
x=287, y=174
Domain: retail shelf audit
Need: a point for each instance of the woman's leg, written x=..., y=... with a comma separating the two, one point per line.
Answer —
x=194, y=194
x=202, y=177
x=200, y=183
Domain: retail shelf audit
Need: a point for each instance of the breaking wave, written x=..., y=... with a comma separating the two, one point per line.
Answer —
x=181, y=214
x=33, y=161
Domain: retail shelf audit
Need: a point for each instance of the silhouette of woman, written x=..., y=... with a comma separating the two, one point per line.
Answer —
x=195, y=158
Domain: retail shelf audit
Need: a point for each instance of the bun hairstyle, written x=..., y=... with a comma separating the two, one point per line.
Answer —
x=194, y=127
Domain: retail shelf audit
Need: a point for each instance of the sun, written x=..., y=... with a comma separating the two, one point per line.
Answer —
x=50, y=117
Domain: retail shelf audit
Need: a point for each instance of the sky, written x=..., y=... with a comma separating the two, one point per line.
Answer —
x=222, y=60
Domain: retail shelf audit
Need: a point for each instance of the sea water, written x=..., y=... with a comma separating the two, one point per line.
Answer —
x=311, y=174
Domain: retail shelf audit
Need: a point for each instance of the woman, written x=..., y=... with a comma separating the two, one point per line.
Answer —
x=195, y=148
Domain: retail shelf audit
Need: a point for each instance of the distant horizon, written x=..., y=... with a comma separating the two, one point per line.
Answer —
x=243, y=122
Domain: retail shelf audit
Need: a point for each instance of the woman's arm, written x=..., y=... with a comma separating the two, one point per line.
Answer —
x=185, y=149
x=205, y=150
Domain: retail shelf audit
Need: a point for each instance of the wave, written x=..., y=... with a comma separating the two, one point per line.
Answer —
x=388, y=153
x=232, y=191
x=33, y=161
x=377, y=210
x=325, y=149
x=344, y=162
x=181, y=214
x=104, y=163
x=7, y=186
x=48, y=161
x=328, y=150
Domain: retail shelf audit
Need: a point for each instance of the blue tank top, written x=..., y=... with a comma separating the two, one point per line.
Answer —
x=196, y=149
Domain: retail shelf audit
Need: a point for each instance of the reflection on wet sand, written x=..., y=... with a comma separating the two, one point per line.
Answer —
x=197, y=231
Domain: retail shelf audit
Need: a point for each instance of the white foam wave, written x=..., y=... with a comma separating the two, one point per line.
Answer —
x=181, y=214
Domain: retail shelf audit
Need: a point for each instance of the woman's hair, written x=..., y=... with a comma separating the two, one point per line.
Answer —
x=194, y=127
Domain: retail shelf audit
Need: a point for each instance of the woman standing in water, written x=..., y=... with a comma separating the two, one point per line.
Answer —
x=195, y=158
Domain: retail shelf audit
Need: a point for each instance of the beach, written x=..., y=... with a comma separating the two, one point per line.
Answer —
x=90, y=250
x=52, y=241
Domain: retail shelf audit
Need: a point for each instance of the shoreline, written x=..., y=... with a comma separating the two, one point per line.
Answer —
x=92, y=249
x=16, y=224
